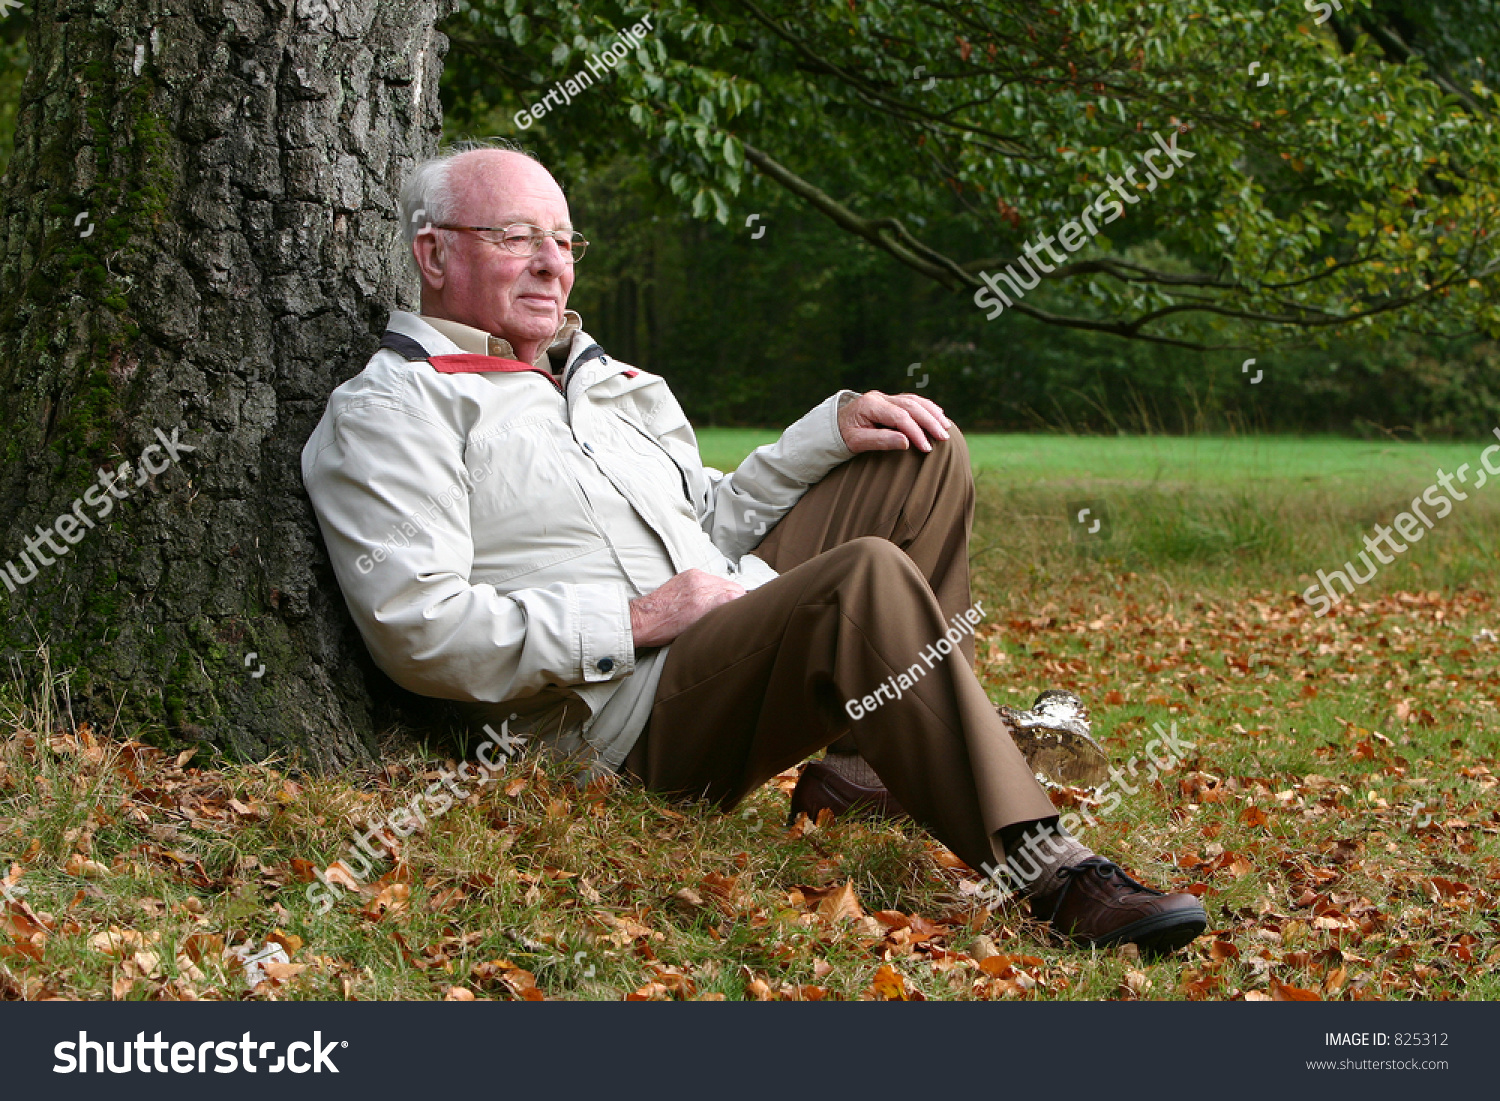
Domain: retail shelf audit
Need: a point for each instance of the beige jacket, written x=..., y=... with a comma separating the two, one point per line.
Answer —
x=489, y=529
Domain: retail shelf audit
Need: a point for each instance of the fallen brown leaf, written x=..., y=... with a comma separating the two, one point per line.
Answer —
x=889, y=985
x=1281, y=992
x=841, y=905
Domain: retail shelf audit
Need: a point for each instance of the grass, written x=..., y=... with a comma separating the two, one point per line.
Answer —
x=1174, y=460
x=1336, y=814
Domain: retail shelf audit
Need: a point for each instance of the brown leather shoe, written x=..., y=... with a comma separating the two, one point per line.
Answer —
x=1099, y=905
x=820, y=786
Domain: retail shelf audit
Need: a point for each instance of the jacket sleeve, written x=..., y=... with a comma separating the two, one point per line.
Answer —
x=378, y=475
x=738, y=508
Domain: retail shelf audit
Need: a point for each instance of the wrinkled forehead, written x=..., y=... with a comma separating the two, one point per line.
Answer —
x=496, y=188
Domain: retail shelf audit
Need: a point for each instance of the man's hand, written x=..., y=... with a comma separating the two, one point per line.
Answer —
x=891, y=422
x=660, y=616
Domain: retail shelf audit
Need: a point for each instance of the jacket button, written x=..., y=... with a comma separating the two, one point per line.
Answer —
x=604, y=665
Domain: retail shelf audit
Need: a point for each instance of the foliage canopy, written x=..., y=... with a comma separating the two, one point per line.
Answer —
x=1354, y=192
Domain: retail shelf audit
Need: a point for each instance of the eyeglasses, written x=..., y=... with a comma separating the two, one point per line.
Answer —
x=523, y=239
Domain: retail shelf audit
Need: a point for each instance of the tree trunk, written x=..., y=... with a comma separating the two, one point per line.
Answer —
x=200, y=239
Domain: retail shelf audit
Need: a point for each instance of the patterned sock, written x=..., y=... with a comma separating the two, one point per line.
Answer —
x=854, y=768
x=1035, y=864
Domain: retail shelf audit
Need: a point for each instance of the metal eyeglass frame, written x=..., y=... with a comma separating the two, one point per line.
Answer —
x=572, y=253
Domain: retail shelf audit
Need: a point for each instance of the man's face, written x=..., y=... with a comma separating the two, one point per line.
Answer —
x=472, y=281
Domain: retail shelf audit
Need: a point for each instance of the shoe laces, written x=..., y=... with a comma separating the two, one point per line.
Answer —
x=1105, y=869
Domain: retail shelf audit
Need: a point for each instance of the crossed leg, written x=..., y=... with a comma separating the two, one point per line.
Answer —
x=873, y=564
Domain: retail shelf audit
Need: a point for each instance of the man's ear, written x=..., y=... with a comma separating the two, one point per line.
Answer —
x=432, y=258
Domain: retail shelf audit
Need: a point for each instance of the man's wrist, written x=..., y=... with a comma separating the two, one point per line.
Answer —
x=845, y=397
x=637, y=623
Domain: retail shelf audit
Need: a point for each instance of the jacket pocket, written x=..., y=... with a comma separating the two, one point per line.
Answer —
x=529, y=512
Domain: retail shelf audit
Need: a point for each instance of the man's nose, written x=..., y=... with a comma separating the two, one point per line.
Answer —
x=548, y=259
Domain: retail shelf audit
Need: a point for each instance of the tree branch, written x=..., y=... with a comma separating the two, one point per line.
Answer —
x=892, y=236
x=1007, y=145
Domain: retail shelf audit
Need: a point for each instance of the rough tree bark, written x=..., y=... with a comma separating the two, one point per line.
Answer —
x=199, y=237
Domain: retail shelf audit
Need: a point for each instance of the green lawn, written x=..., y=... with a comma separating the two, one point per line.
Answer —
x=1214, y=510
x=1201, y=460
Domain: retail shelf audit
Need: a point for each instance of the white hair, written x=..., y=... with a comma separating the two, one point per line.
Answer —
x=427, y=193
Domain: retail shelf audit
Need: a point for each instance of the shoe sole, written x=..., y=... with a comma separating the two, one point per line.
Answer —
x=1160, y=934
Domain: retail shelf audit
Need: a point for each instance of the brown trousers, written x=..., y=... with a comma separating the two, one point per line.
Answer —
x=874, y=564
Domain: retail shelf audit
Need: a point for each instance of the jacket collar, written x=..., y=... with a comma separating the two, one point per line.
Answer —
x=578, y=350
x=480, y=343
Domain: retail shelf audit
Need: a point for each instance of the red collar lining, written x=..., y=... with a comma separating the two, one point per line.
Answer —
x=468, y=363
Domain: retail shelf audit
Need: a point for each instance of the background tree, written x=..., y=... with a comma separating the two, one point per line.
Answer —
x=199, y=217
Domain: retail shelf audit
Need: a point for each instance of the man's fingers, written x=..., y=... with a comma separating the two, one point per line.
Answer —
x=927, y=403
x=893, y=422
x=896, y=416
x=658, y=617
x=879, y=439
x=927, y=413
x=936, y=410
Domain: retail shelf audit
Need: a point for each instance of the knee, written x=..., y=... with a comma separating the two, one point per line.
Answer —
x=955, y=449
x=878, y=556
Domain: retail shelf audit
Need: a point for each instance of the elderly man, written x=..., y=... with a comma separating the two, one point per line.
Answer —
x=521, y=522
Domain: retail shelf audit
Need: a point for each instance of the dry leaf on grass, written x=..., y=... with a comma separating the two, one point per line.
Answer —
x=1282, y=992
x=1135, y=984
x=339, y=875
x=842, y=904
x=80, y=865
x=119, y=942
x=282, y=972
x=1006, y=966
x=290, y=941
x=889, y=985
x=393, y=898
x=983, y=948
x=200, y=945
